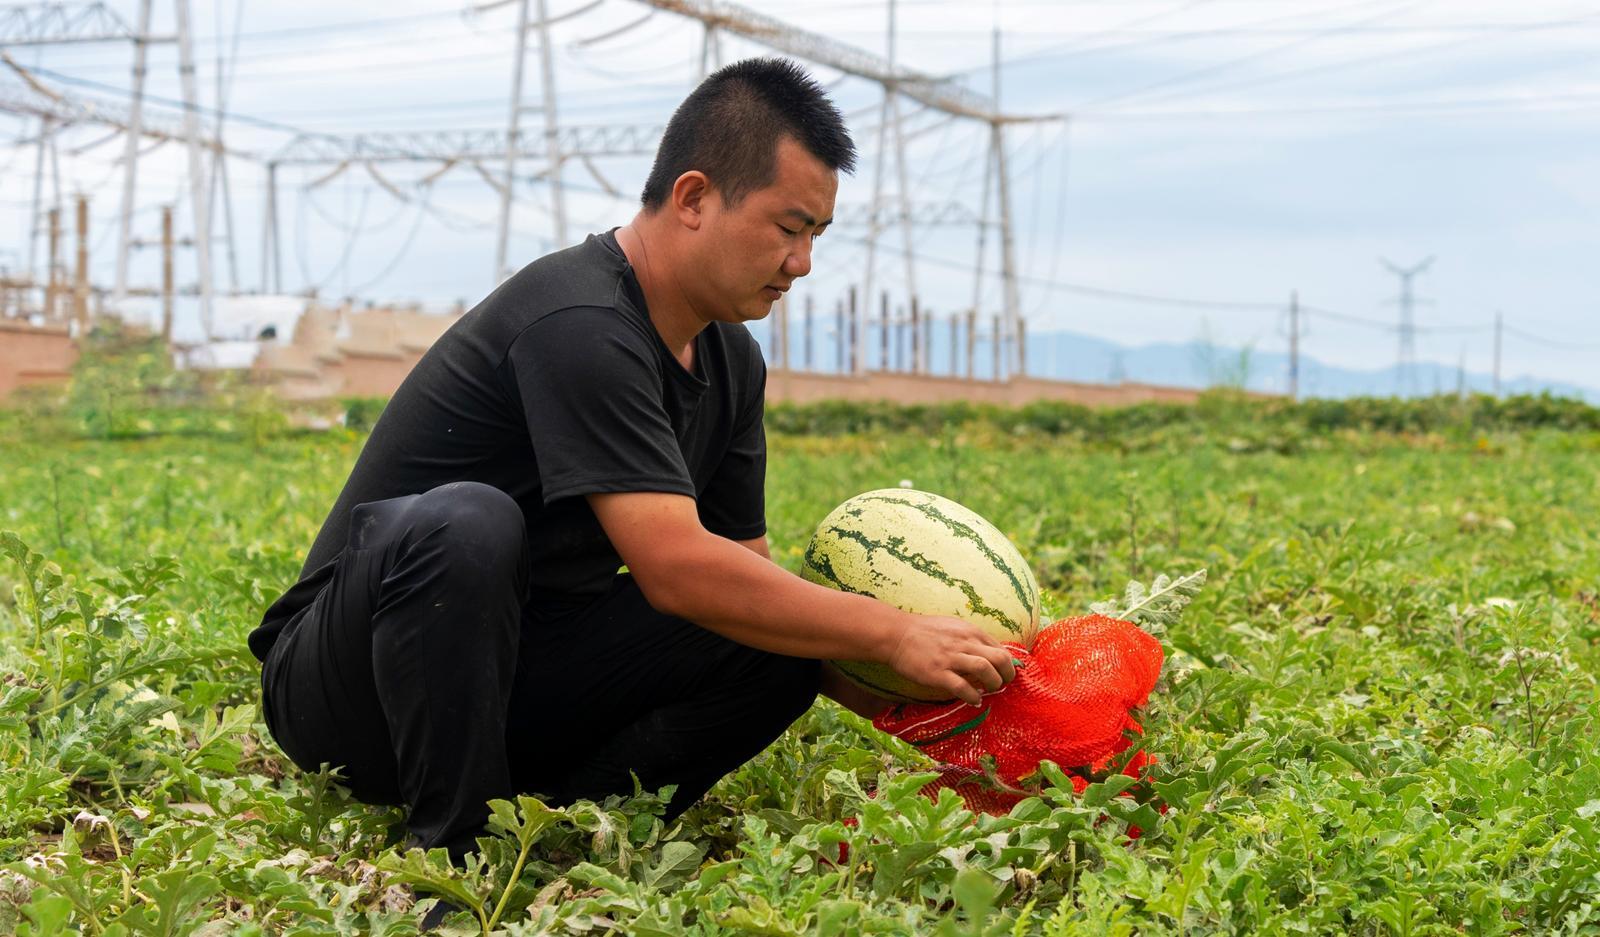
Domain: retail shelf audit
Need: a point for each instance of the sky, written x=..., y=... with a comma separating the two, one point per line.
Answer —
x=1198, y=161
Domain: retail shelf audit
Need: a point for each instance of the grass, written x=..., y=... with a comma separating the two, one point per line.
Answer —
x=1379, y=716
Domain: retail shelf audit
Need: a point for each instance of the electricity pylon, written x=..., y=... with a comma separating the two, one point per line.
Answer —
x=1406, y=360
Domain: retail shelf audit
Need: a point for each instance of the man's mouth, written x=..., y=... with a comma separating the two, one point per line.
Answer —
x=773, y=293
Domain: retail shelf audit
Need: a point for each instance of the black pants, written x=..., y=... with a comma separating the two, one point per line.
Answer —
x=422, y=672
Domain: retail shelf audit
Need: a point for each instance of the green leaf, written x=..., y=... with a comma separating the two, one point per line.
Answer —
x=1157, y=607
x=976, y=891
x=676, y=865
x=47, y=916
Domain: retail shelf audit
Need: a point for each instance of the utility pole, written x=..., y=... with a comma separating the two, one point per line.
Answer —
x=1499, y=325
x=1406, y=362
x=1294, y=345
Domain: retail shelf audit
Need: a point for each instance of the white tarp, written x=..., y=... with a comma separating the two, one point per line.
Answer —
x=252, y=318
x=220, y=356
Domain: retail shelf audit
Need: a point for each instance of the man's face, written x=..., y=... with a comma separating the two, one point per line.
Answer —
x=755, y=250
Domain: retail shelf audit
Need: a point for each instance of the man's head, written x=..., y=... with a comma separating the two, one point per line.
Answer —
x=744, y=178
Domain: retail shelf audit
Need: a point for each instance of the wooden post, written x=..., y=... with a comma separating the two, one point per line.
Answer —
x=166, y=273
x=80, y=279
x=52, y=281
x=1022, y=347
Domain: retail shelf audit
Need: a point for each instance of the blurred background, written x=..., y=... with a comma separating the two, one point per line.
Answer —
x=1327, y=199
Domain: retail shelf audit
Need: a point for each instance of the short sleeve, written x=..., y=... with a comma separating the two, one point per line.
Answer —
x=591, y=389
x=733, y=505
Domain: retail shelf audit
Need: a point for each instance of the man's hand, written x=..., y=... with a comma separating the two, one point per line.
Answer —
x=951, y=655
x=732, y=589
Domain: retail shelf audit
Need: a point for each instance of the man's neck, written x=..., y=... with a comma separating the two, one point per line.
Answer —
x=669, y=310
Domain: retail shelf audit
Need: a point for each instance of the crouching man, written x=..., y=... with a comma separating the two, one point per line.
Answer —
x=460, y=630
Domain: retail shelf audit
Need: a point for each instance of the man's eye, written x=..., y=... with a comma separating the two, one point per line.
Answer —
x=787, y=231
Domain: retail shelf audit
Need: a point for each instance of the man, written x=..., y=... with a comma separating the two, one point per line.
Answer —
x=461, y=632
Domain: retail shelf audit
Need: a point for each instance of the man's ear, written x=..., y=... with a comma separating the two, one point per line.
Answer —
x=689, y=195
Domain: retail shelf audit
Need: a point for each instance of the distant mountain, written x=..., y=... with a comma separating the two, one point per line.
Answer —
x=1070, y=356
x=1073, y=356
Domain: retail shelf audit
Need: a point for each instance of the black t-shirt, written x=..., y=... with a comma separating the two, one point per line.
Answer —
x=555, y=386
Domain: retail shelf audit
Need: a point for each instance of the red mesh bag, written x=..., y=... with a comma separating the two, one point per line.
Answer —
x=1072, y=703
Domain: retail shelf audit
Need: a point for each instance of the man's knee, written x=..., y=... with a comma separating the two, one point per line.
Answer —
x=461, y=538
x=470, y=513
x=471, y=525
x=791, y=685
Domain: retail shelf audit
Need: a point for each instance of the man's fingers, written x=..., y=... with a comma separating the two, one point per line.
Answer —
x=983, y=671
x=960, y=688
x=1002, y=660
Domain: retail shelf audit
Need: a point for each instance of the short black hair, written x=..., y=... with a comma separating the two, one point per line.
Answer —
x=729, y=128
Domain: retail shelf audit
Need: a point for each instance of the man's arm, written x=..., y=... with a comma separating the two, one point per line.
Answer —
x=686, y=571
x=835, y=685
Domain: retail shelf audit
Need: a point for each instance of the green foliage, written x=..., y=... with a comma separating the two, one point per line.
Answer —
x=1379, y=714
x=1157, y=606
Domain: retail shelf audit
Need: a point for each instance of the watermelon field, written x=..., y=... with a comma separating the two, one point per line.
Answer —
x=1378, y=716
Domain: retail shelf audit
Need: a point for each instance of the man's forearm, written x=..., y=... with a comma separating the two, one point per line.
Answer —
x=727, y=588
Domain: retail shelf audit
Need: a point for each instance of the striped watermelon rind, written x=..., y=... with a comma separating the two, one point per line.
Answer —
x=926, y=554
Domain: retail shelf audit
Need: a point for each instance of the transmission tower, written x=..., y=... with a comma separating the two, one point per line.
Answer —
x=63, y=23
x=1406, y=361
x=937, y=94
x=551, y=132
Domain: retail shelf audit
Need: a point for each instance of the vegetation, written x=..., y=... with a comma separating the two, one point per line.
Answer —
x=1379, y=715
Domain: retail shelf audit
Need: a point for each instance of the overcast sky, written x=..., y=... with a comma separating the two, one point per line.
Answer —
x=1214, y=151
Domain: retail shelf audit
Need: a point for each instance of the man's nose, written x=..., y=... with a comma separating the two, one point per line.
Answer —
x=798, y=263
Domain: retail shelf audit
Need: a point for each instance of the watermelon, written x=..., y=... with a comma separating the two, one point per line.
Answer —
x=925, y=554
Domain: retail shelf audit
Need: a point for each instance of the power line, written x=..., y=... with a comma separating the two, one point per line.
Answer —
x=1444, y=107
x=1276, y=77
x=1211, y=69
x=199, y=109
